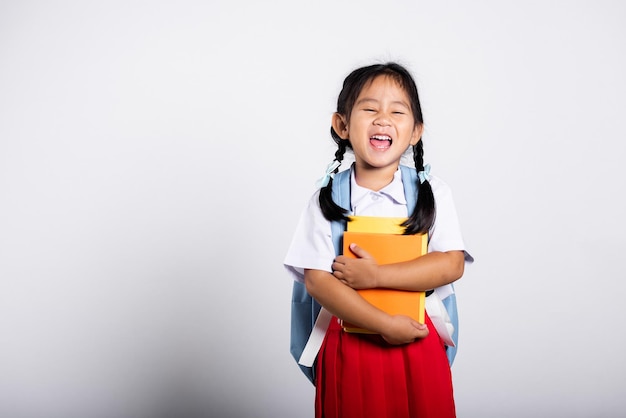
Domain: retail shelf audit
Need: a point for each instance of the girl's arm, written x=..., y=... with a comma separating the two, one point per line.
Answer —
x=345, y=303
x=423, y=273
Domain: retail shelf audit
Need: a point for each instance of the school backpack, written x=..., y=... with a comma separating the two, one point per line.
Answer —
x=305, y=310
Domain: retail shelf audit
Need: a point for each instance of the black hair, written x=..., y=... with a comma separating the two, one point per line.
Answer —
x=423, y=217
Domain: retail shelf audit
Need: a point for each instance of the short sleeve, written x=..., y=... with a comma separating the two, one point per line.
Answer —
x=312, y=245
x=445, y=235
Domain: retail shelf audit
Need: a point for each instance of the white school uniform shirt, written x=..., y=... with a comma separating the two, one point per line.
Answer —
x=312, y=244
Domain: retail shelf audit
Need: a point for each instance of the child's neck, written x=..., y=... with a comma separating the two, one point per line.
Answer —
x=374, y=178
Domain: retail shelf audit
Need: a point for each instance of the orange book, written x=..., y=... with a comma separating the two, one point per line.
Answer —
x=387, y=248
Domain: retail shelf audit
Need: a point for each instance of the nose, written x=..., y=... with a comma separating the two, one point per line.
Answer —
x=382, y=120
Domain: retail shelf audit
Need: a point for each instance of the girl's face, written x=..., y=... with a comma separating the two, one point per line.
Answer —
x=381, y=127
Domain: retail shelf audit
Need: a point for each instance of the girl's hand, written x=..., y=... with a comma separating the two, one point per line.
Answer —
x=358, y=273
x=404, y=330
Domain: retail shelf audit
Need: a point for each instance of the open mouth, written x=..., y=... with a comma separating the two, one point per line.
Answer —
x=381, y=141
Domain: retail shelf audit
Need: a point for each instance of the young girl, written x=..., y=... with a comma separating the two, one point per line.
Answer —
x=402, y=370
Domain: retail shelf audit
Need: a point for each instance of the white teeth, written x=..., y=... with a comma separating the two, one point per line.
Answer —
x=382, y=137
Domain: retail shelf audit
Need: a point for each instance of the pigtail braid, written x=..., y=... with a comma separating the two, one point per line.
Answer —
x=330, y=209
x=423, y=217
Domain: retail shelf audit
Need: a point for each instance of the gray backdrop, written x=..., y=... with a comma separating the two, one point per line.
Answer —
x=155, y=156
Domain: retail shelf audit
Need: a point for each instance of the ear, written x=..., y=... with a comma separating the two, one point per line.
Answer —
x=416, y=136
x=340, y=125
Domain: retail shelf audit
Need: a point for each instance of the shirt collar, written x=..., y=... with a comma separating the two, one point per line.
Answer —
x=394, y=190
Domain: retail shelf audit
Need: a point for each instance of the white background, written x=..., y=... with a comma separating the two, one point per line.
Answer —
x=155, y=156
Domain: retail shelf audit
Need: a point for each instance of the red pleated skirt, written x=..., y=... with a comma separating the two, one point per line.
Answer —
x=361, y=376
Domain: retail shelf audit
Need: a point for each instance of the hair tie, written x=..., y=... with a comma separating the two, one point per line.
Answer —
x=424, y=175
x=323, y=182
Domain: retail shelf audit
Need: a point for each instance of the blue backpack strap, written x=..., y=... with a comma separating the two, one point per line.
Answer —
x=450, y=304
x=341, y=196
x=409, y=181
x=305, y=309
x=304, y=312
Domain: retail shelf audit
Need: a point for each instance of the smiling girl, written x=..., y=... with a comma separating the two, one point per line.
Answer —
x=402, y=370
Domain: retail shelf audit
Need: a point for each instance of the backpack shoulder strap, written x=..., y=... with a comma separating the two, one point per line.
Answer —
x=409, y=182
x=308, y=320
x=341, y=196
x=445, y=316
